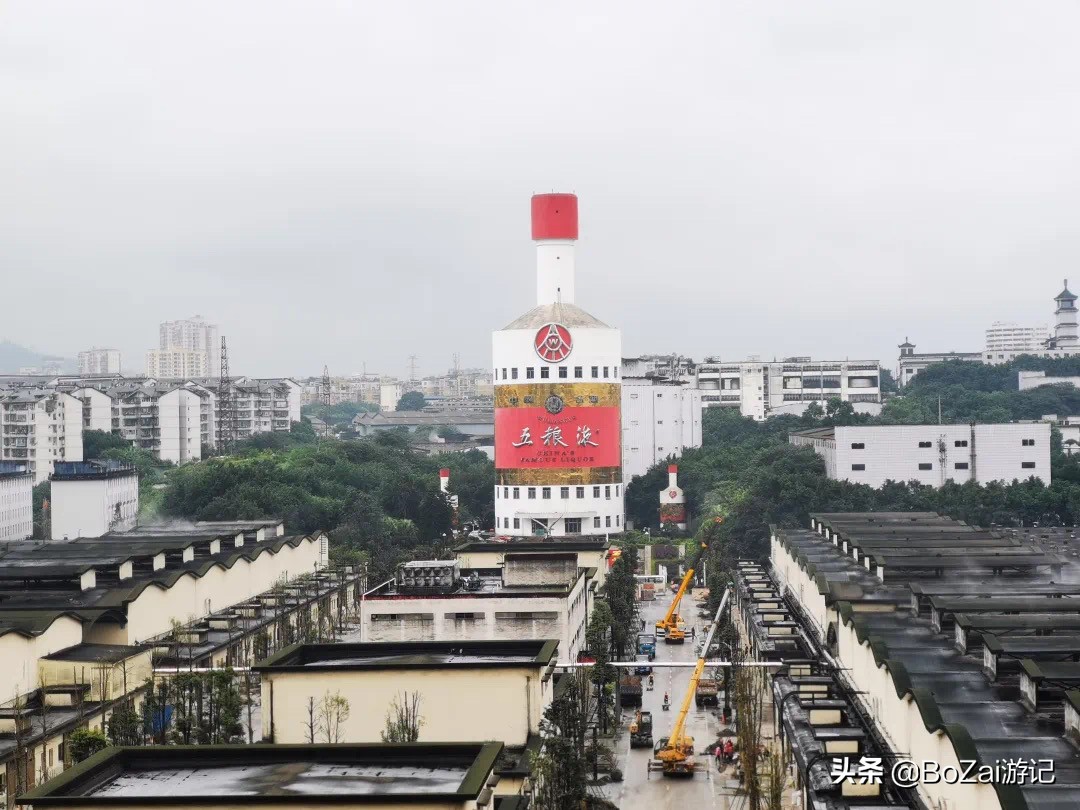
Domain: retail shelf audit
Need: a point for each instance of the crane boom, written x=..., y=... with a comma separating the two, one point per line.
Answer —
x=671, y=618
x=676, y=738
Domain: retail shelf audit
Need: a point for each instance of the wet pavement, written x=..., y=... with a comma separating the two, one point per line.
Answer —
x=708, y=789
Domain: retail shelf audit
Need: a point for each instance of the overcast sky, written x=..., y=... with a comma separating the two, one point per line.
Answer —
x=348, y=183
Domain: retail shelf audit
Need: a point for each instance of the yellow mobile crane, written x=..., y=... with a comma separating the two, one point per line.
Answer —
x=676, y=753
x=672, y=627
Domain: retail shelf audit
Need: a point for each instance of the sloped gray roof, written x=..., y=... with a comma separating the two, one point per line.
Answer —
x=565, y=314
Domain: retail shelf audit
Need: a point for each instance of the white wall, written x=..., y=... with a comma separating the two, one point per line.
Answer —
x=893, y=453
x=657, y=421
x=87, y=508
x=16, y=507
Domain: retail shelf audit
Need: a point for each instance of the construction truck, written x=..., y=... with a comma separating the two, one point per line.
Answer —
x=641, y=730
x=630, y=690
x=707, y=693
x=646, y=645
x=675, y=754
x=672, y=627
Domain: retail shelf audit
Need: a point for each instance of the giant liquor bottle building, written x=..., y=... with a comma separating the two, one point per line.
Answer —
x=558, y=436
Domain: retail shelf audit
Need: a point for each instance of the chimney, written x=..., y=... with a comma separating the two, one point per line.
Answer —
x=555, y=230
x=444, y=480
x=673, y=475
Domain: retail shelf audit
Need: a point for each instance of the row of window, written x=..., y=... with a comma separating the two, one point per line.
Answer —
x=959, y=465
x=545, y=492
x=572, y=525
x=957, y=443
x=609, y=372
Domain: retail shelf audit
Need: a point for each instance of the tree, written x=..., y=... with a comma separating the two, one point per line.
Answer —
x=403, y=720
x=311, y=723
x=621, y=590
x=411, y=401
x=85, y=742
x=97, y=442
x=333, y=713
x=560, y=768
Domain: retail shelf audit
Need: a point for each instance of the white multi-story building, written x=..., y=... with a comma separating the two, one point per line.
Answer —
x=1026, y=380
x=762, y=389
x=1015, y=339
x=1070, y=431
x=99, y=361
x=558, y=436
x=92, y=498
x=16, y=501
x=97, y=409
x=39, y=427
x=660, y=419
x=192, y=334
x=176, y=364
x=932, y=454
x=1007, y=344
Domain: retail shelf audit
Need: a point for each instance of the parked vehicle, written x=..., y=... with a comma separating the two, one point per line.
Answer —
x=707, y=693
x=630, y=690
x=641, y=730
x=646, y=643
x=643, y=667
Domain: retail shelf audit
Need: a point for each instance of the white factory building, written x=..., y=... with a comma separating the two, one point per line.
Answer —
x=38, y=427
x=660, y=419
x=762, y=389
x=93, y=498
x=558, y=436
x=16, y=501
x=932, y=454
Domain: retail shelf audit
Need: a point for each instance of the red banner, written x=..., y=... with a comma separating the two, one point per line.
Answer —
x=529, y=438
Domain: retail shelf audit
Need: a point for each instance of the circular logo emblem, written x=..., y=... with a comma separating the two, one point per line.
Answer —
x=554, y=404
x=553, y=342
x=672, y=493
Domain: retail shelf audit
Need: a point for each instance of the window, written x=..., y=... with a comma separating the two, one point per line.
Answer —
x=1027, y=465
x=659, y=421
x=540, y=526
x=545, y=372
x=616, y=490
x=517, y=523
x=858, y=467
x=563, y=372
x=607, y=492
x=506, y=523
x=545, y=493
x=858, y=445
x=513, y=374
x=573, y=525
x=596, y=492
x=960, y=443
x=926, y=466
x=1027, y=442
x=607, y=521
x=961, y=465
x=564, y=492
x=517, y=492
x=926, y=444
x=579, y=372
x=614, y=371
x=532, y=493
x=530, y=372
x=579, y=492
x=504, y=373
x=596, y=522
x=595, y=372
x=506, y=492
x=616, y=520
x=605, y=372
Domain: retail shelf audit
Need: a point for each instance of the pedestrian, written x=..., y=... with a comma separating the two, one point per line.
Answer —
x=719, y=753
x=693, y=633
x=642, y=625
x=729, y=750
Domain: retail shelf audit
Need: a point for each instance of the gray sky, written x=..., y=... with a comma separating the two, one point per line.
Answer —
x=344, y=183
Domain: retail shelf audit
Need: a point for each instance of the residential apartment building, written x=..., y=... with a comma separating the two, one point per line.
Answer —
x=762, y=389
x=16, y=501
x=932, y=454
x=1026, y=380
x=92, y=498
x=99, y=361
x=172, y=421
x=194, y=335
x=660, y=419
x=38, y=427
x=175, y=363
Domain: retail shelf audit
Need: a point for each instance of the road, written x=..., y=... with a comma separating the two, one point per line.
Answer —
x=708, y=789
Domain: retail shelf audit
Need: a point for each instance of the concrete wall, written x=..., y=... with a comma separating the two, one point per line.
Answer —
x=658, y=421
x=20, y=655
x=456, y=702
x=519, y=570
x=107, y=679
x=88, y=508
x=913, y=452
x=16, y=507
x=494, y=559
